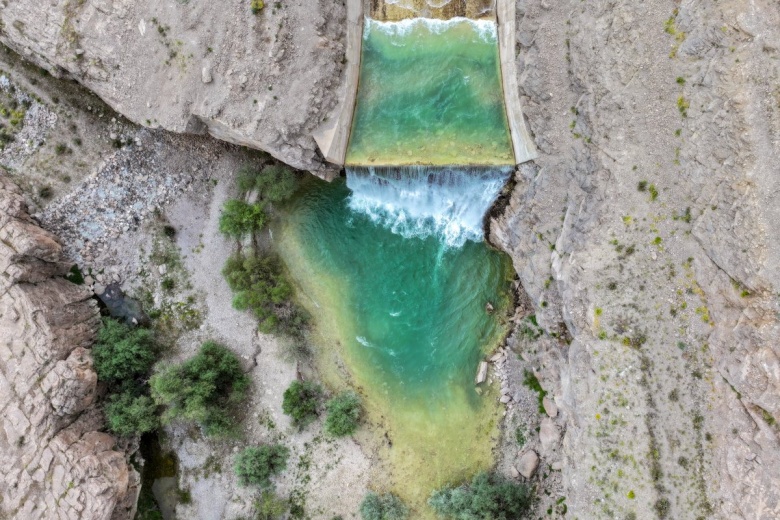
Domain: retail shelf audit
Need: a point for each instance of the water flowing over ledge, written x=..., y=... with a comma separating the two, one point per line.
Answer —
x=421, y=201
x=487, y=30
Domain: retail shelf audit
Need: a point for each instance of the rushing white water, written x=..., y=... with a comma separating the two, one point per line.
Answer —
x=486, y=29
x=421, y=201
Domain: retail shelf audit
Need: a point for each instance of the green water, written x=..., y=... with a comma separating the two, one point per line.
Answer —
x=408, y=318
x=430, y=93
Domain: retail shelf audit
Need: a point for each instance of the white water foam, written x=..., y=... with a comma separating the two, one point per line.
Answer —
x=486, y=29
x=423, y=201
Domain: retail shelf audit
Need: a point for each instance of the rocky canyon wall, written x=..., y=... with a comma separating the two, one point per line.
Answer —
x=647, y=231
x=54, y=460
x=266, y=81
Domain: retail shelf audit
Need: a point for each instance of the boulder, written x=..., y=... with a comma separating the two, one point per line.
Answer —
x=528, y=463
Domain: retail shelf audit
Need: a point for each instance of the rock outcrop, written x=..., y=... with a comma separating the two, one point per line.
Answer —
x=53, y=460
x=648, y=232
x=264, y=80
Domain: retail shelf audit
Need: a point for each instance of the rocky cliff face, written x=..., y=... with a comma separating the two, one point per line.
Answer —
x=53, y=460
x=647, y=230
x=265, y=81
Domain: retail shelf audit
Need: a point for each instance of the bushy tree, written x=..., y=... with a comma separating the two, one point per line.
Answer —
x=487, y=496
x=277, y=183
x=343, y=414
x=122, y=352
x=256, y=465
x=383, y=507
x=203, y=389
x=239, y=218
x=274, y=184
x=259, y=285
x=300, y=401
x=130, y=415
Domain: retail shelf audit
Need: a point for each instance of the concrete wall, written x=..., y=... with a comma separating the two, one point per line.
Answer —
x=333, y=137
x=523, y=144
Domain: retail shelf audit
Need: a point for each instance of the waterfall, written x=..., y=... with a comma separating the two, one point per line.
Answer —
x=421, y=201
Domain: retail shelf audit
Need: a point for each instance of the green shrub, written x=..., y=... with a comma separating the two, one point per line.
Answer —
x=257, y=6
x=239, y=218
x=276, y=183
x=269, y=506
x=488, y=496
x=259, y=285
x=343, y=414
x=256, y=465
x=383, y=507
x=122, y=352
x=130, y=415
x=301, y=400
x=203, y=389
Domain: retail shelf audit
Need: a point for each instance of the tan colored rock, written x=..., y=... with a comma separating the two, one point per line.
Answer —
x=548, y=435
x=528, y=463
x=550, y=408
x=266, y=81
x=53, y=461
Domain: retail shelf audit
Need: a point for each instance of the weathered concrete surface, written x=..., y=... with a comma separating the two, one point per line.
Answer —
x=522, y=143
x=333, y=137
x=265, y=81
x=647, y=236
x=395, y=10
x=53, y=460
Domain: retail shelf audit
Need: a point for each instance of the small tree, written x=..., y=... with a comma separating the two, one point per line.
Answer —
x=259, y=285
x=129, y=415
x=488, y=496
x=256, y=465
x=122, y=352
x=343, y=414
x=269, y=506
x=383, y=507
x=300, y=401
x=277, y=183
x=239, y=218
x=203, y=388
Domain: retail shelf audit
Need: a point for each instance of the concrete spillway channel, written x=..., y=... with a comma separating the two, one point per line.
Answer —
x=334, y=136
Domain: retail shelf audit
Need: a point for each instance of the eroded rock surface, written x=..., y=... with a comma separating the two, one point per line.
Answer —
x=53, y=460
x=265, y=81
x=648, y=231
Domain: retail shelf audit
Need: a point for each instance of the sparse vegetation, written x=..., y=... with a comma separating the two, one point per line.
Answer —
x=531, y=381
x=203, y=389
x=489, y=495
x=343, y=414
x=383, y=507
x=257, y=6
x=269, y=506
x=256, y=465
x=301, y=400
